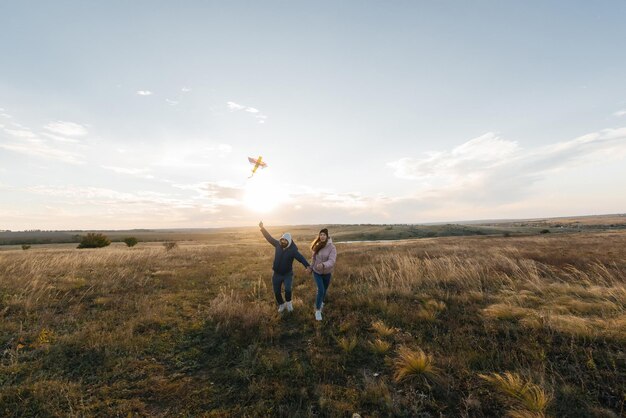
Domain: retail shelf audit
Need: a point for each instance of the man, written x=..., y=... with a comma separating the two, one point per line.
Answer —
x=285, y=252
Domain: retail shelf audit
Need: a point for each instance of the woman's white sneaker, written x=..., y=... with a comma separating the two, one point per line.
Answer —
x=289, y=306
x=318, y=315
x=281, y=307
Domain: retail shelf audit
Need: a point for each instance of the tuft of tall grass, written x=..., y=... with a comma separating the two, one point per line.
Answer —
x=410, y=364
x=528, y=398
x=505, y=311
x=347, y=344
x=379, y=346
x=430, y=310
x=382, y=330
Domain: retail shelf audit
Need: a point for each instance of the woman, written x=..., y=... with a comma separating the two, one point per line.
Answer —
x=323, y=263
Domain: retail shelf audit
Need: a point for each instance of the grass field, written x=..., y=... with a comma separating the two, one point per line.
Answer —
x=476, y=326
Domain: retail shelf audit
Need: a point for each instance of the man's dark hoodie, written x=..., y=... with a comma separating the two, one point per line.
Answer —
x=283, y=257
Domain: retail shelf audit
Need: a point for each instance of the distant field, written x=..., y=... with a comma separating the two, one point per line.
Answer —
x=302, y=233
x=474, y=326
x=617, y=221
x=340, y=232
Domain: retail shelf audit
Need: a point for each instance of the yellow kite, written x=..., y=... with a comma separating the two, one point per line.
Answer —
x=257, y=163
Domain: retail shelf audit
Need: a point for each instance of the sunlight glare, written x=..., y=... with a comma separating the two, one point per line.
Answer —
x=262, y=195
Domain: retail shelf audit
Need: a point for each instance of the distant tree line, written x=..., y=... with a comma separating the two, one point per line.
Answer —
x=90, y=240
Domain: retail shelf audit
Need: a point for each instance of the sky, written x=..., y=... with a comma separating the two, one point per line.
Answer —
x=142, y=114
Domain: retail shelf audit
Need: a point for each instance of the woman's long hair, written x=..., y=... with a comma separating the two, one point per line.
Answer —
x=317, y=244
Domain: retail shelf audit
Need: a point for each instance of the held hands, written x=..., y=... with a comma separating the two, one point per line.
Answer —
x=319, y=267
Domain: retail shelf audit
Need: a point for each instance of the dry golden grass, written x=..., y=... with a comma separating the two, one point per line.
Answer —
x=150, y=332
x=381, y=329
x=430, y=310
x=506, y=311
x=411, y=364
x=377, y=393
x=583, y=310
x=379, y=346
x=228, y=311
x=347, y=344
x=529, y=399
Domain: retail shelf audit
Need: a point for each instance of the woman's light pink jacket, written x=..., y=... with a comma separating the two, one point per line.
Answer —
x=327, y=256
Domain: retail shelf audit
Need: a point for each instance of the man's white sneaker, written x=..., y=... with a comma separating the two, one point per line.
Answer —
x=318, y=315
x=289, y=306
x=281, y=307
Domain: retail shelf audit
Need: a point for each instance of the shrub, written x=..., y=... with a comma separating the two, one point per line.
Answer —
x=130, y=241
x=170, y=245
x=544, y=231
x=25, y=247
x=94, y=240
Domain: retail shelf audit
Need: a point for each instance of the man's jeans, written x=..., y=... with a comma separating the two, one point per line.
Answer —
x=277, y=284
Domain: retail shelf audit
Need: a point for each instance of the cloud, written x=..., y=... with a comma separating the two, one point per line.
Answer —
x=216, y=194
x=25, y=141
x=234, y=106
x=123, y=170
x=21, y=133
x=185, y=89
x=261, y=118
x=171, y=102
x=40, y=149
x=490, y=168
x=207, y=198
x=232, y=202
x=479, y=153
x=169, y=154
x=620, y=113
x=144, y=93
x=104, y=196
x=138, y=172
x=222, y=150
x=59, y=138
x=66, y=128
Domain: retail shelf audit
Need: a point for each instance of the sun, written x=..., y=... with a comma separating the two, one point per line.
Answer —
x=262, y=195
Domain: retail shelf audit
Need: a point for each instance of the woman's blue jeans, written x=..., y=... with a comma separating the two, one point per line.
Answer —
x=323, y=282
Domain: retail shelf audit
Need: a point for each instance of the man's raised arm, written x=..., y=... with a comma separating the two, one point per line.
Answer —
x=267, y=235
